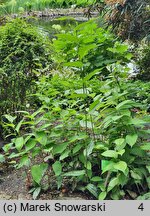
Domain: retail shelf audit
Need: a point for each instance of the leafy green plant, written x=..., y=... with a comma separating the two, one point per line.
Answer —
x=139, y=92
x=124, y=143
x=103, y=150
x=86, y=133
x=87, y=48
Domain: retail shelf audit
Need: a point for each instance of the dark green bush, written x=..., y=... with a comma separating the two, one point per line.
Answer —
x=24, y=53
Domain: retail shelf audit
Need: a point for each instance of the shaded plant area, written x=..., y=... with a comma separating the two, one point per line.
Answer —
x=144, y=63
x=87, y=123
x=130, y=19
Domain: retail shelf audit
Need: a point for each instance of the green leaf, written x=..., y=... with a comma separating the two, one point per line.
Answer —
x=2, y=158
x=121, y=165
x=7, y=147
x=57, y=167
x=10, y=118
x=92, y=189
x=102, y=195
x=137, y=122
x=121, y=152
x=84, y=50
x=75, y=173
x=41, y=137
x=148, y=182
x=115, y=118
x=90, y=75
x=128, y=56
x=19, y=142
x=77, y=148
x=38, y=172
x=45, y=126
x=64, y=155
x=24, y=161
x=59, y=180
x=131, y=139
x=30, y=144
x=39, y=111
x=18, y=126
x=90, y=148
x=78, y=64
x=108, y=166
x=58, y=149
x=110, y=153
x=122, y=179
x=120, y=143
x=135, y=175
x=79, y=137
x=148, y=167
x=138, y=151
x=82, y=158
x=96, y=179
x=88, y=165
x=36, y=192
x=125, y=104
x=119, y=48
x=105, y=163
x=144, y=197
x=146, y=146
x=113, y=183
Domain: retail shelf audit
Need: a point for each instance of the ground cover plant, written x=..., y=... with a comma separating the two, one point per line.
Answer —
x=91, y=130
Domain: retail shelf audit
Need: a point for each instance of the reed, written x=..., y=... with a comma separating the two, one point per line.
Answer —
x=19, y=6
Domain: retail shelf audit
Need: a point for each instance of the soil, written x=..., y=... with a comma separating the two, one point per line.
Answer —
x=13, y=187
x=12, y=184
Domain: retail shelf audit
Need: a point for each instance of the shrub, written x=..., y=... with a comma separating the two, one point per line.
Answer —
x=100, y=147
x=24, y=53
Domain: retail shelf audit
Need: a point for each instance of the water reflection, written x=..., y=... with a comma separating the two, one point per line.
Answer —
x=47, y=24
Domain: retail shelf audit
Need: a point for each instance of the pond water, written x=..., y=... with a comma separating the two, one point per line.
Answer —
x=47, y=24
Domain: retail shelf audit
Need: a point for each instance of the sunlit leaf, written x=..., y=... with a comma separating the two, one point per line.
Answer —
x=57, y=167
x=131, y=139
x=38, y=172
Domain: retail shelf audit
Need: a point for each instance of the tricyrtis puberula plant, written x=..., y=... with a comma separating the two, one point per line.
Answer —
x=86, y=133
x=102, y=150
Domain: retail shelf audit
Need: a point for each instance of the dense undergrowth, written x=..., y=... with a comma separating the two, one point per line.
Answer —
x=86, y=124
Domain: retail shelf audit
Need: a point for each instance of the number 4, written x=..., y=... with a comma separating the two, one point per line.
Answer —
x=141, y=207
